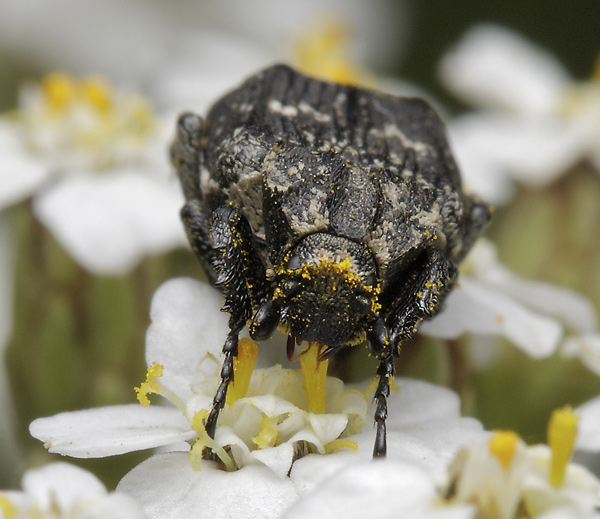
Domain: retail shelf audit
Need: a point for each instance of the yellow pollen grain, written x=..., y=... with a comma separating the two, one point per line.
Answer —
x=60, y=90
x=502, y=445
x=315, y=377
x=150, y=384
x=562, y=431
x=243, y=365
x=96, y=92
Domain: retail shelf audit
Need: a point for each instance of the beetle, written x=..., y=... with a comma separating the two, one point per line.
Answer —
x=331, y=211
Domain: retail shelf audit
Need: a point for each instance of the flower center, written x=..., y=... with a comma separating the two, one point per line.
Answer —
x=323, y=52
x=7, y=508
x=84, y=124
x=562, y=431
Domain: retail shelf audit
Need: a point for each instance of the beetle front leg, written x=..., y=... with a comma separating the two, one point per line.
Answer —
x=242, y=277
x=421, y=294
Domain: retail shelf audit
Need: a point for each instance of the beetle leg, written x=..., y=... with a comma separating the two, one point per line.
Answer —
x=421, y=294
x=242, y=277
x=197, y=228
x=186, y=152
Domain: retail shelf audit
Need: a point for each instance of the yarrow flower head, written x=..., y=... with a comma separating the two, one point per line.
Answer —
x=537, y=121
x=84, y=124
x=287, y=429
x=81, y=147
x=283, y=410
x=63, y=491
x=507, y=479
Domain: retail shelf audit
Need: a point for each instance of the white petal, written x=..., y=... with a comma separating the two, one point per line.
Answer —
x=278, y=459
x=169, y=489
x=494, y=67
x=418, y=401
x=186, y=325
x=61, y=483
x=373, y=489
x=586, y=348
x=534, y=150
x=107, y=431
x=481, y=173
x=108, y=223
x=588, y=436
x=474, y=308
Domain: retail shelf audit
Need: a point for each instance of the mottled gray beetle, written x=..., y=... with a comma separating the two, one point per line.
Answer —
x=331, y=211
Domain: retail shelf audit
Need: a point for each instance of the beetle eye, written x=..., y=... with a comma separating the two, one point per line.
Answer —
x=293, y=263
x=265, y=321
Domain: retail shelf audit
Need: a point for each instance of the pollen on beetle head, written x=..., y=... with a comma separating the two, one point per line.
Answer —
x=314, y=373
x=503, y=445
x=562, y=431
x=243, y=364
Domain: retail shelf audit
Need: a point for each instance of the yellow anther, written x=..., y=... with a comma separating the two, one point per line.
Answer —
x=60, y=90
x=268, y=434
x=314, y=373
x=150, y=385
x=562, y=431
x=96, y=92
x=503, y=445
x=323, y=52
x=339, y=444
x=243, y=365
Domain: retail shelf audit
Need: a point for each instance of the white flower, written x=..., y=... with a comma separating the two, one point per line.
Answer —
x=537, y=122
x=183, y=341
x=588, y=438
x=63, y=491
x=506, y=479
x=490, y=300
x=262, y=432
x=94, y=160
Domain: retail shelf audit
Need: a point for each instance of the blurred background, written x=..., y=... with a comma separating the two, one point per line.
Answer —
x=74, y=338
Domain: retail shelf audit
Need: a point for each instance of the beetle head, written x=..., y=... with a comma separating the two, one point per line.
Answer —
x=327, y=290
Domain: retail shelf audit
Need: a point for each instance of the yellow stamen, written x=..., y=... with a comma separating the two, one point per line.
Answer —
x=323, y=52
x=204, y=441
x=339, y=444
x=503, y=445
x=150, y=385
x=268, y=435
x=562, y=431
x=243, y=365
x=7, y=508
x=60, y=90
x=97, y=93
x=315, y=377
